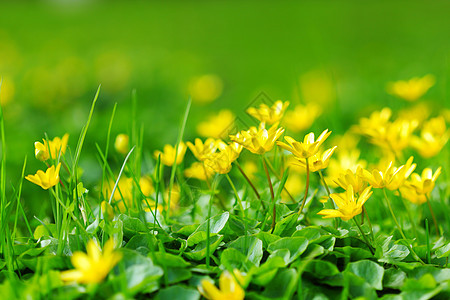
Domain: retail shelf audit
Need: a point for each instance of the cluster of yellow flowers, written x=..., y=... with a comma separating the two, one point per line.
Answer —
x=51, y=149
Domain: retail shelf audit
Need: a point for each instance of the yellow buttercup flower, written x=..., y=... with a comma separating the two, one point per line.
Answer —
x=348, y=206
x=412, y=89
x=124, y=191
x=94, y=266
x=424, y=183
x=433, y=137
x=174, y=201
x=199, y=171
x=381, y=179
x=217, y=126
x=343, y=161
x=354, y=179
x=230, y=288
x=202, y=150
x=401, y=174
x=122, y=143
x=318, y=161
x=307, y=148
x=260, y=140
x=168, y=154
x=46, y=180
x=302, y=117
x=220, y=162
x=269, y=115
x=44, y=151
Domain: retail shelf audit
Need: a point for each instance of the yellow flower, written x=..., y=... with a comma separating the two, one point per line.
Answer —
x=205, y=88
x=217, y=126
x=220, y=162
x=433, y=137
x=174, y=200
x=348, y=207
x=424, y=184
x=122, y=143
x=94, y=266
x=46, y=180
x=345, y=160
x=124, y=191
x=412, y=89
x=318, y=161
x=354, y=179
x=202, y=150
x=374, y=127
x=302, y=117
x=307, y=148
x=56, y=146
x=199, y=171
x=168, y=154
x=260, y=140
x=401, y=174
x=230, y=288
x=295, y=184
x=409, y=193
x=381, y=179
x=250, y=168
x=269, y=115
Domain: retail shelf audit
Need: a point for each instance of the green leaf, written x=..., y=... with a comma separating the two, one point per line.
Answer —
x=286, y=227
x=199, y=252
x=394, y=254
x=147, y=241
x=283, y=285
x=250, y=246
x=266, y=238
x=321, y=269
x=370, y=271
x=47, y=230
x=443, y=251
x=217, y=223
x=234, y=259
x=295, y=245
x=354, y=254
x=169, y=260
x=178, y=292
x=394, y=278
x=132, y=226
x=175, y=275
x=267, y=271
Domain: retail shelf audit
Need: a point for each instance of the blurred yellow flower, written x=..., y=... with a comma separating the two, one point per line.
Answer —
x=318, y=161
x=412, y=89
x=343, y=161
x=307, y=148
x=199, y=171
x=7, y=91
x=217, y=126
x=174, y=201
x=259, y=140
x=107, y=210
x=424, y=183
x=124, y=191
x=269, y=115
x=122, y=143
x=302, y=117
x=409, y=193
x=294, y=184
x=419, y=111
x=41, y=150
x=433, y=137
x=354, y=179
x=348, y=207
x=317, y=86
x=169, y=152
x=94, y=266
x=205, y=88
x=202, y=150
x=230, y=287
x=46, y=180
x=250, y=168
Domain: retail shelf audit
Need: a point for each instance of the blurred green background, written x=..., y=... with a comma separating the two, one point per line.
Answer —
x=54, y=54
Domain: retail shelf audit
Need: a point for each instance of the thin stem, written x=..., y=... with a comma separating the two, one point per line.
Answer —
x=306, y=188
x=368, y=221
x=433, y=215
x=411, y=220
x=393, y=215
x=364, y=236
x=250, y=183
x=279, y=178
x=235, y=193
x=428, y=242
x=209, y=221
x=274, y=211
x=336, y=220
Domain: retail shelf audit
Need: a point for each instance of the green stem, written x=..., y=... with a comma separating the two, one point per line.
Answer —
x=306, y=188
x=274, y=211
x=209, y=221
x=364, y=236
x=330, y=201
x=250, y=183
x=433, y=216
x=235, y=193
x=411, y=220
